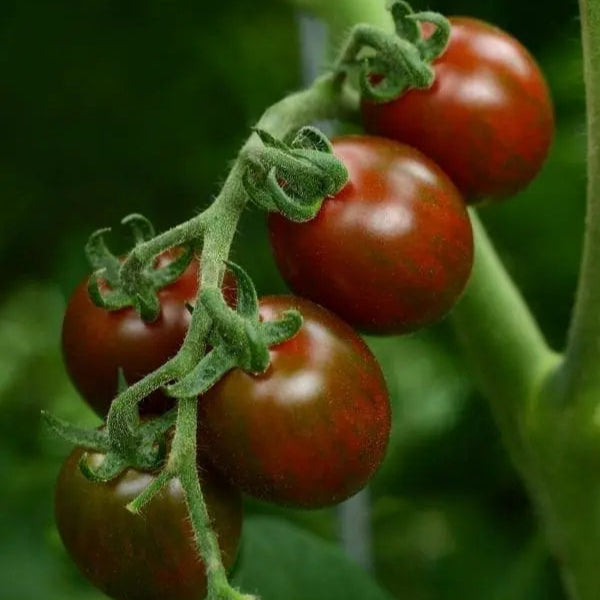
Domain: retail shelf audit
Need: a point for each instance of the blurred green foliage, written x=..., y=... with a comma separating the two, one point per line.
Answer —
x=109, y=108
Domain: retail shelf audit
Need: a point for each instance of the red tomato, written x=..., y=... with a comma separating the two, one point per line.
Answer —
x=487, y=120
x=150, y=556
x=97, y=342
x=310, y=431
x=392, y=251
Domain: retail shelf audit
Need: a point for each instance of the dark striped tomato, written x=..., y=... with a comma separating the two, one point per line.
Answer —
x=310, y=431
x=97, y=342
x=150, y=556
x=392, y=251
x=488, y=119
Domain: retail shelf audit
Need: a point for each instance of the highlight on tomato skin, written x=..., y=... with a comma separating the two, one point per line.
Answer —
x=488, y=119
x=148, y=556
x=392, y=251
x=312, y=430
x=96, y=343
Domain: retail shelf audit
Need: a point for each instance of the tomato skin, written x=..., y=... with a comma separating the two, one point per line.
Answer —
x=488, y=119
x=392, y=251
x=150, y=556
x=97, y=342
x=312, y=430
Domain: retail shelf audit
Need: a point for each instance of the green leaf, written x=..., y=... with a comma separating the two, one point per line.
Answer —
x=279, y=560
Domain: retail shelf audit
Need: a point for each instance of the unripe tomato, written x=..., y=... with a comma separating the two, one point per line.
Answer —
x=392, y=251
x=487, y=120
x=150, y=556
x=310, y=431
x=97, y=342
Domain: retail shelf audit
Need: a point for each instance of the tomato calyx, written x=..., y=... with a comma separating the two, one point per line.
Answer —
x=293, y=178
x=112, y=288
x=239, y=338
x=146, y=451
x=385, y=65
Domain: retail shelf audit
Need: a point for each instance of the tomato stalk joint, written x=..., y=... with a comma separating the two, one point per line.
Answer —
x=292, y=179
x=384, y=64
x=239, y=338
x=113, y=287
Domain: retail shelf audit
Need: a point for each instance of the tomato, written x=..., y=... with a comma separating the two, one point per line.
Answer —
x=150, y=556
x=310, y=431
x=487, y=120
x=392, y=251
x=97, y=342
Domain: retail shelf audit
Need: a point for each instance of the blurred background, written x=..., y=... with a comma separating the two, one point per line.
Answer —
x=115, y=107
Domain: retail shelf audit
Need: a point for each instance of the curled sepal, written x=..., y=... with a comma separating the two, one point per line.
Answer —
x=406, y=27
x=204, y=375
x=269, y=140
x=146, y=454
x=111, y=466
x=293, y=179
x=140, y=226
x=276, y=332
x=92, y=439
x=295, y=209
x=247, y=299
x=386, y=76
x=101, y=258
x=112, y=300
x=147, y=305
x=239, y=337
x=172, y=272
x=134, y=282
x=311, y=138
x=253, y=183
x=434, y=46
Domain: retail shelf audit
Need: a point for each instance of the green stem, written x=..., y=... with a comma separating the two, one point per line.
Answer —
x=340, y=15
x=583, y=349
x=506, y=347
x=183, y=458
x=326, y=98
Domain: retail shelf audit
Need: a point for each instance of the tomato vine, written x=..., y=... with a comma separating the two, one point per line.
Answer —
x=527, y=383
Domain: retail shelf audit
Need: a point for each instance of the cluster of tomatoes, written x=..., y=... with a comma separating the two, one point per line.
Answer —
x=390, y=253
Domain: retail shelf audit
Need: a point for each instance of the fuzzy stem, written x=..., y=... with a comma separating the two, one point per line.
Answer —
x=326, y=98
x=583, y=350
x=183, y=457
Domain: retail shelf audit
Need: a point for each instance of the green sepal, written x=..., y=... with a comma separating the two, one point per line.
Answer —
x=112, y=466
x=247, y=298
x=101, y=258
x=293, y=179
x=256, y=359
x=141, y=227
x=239, y=337
x=112, y=300
x=147, y=305
x=92, y=439
x=133, y=283
x=311, y=138
x=122, y=384
x=170, y=273
x=147, y=453
x=294, y=209
x=435, y=45
x=276, y=332
x=204, y=375
x=402, y=70
x=269, y=140
x=406, y=28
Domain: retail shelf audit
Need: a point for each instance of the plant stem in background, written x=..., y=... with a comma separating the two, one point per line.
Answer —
x=582, y=365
